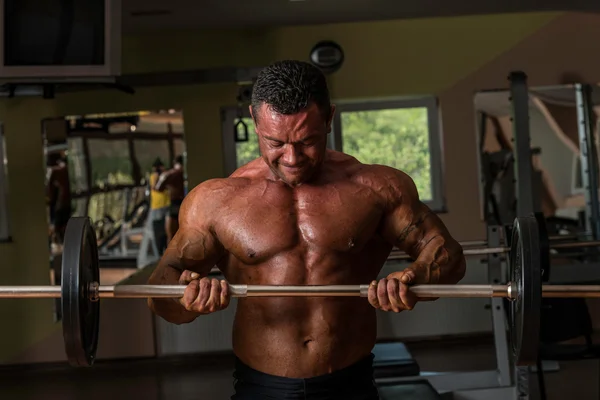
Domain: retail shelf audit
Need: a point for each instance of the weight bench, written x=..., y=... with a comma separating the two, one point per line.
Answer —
x=393, y=360
x=420, y=389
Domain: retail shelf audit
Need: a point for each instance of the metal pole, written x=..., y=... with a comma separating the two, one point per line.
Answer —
x=177, y=291
x=24, y=292
x=494, y=262
x=589, y=158
x=577, y=291
x=399, y=255
x=484, y=243
x=519, y=94
x=573, y=245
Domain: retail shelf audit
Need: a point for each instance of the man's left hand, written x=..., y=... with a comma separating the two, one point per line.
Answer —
x=393, y=293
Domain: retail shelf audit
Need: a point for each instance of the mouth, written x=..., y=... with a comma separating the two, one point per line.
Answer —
x=292, y=168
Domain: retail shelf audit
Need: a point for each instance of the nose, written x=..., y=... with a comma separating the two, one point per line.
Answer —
x=290, y=156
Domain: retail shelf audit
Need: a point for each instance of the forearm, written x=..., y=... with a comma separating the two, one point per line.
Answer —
x=170, y=309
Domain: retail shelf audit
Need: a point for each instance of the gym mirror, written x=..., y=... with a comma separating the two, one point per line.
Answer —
x=107, y=167
x=557, y=128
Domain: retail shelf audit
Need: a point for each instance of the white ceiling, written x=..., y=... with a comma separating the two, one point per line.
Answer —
x=154, y=15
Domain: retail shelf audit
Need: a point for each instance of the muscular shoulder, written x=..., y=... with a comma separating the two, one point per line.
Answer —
x=391, y=185
x=204, y=200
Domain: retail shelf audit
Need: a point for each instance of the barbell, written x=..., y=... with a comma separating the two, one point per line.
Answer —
x=480, y=251
x=80, y=291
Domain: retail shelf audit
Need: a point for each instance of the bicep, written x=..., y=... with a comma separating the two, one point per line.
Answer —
x=193, y=249
x=195, y=246
x=411, y=224
x=190, y=249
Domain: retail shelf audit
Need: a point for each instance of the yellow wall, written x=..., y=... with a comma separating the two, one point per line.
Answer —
x=383, y=59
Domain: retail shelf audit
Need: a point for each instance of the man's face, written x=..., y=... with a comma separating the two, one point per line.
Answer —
x=293, y=146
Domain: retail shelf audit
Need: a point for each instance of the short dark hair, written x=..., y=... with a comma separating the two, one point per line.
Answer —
x=158, y=163
x=289, y=86
x=179, y=159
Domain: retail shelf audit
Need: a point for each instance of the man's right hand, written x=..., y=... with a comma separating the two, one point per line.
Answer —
x=203, y=296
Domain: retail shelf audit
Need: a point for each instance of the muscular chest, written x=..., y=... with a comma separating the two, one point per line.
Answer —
x=332, y=218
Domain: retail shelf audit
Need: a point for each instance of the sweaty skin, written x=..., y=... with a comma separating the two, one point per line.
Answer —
x=302, y=215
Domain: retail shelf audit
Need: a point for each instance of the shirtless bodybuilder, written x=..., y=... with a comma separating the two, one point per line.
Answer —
x=172, y=180
x=303, y=215
x=58, y=194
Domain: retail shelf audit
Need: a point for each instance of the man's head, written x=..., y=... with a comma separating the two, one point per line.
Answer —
x=292, y=115
x=178, y=163
x=157, y=165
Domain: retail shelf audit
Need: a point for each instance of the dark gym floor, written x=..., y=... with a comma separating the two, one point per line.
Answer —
x=210, y=378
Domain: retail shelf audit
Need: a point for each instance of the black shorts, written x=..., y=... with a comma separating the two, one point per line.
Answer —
x=174, y=208
x=351, y=383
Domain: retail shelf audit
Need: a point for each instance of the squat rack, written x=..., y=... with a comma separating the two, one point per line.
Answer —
x=507, y=380
x=526, y=205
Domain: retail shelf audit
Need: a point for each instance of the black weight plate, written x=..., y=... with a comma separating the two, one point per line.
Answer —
x=80, y=315
x=525, y=276
x=544, y=246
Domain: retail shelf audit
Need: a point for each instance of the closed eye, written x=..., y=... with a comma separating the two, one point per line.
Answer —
x=310, y=141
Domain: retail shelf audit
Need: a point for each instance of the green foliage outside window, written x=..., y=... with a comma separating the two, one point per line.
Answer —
x=398, y=138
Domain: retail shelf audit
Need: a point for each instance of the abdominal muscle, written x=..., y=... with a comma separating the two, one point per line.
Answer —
x=303, y=337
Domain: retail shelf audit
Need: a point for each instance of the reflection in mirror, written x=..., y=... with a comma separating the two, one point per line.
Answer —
x=126, y=171
x=556, y=138
x=4, y=221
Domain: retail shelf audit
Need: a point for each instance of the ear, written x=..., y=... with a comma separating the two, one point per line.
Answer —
x=252, y=114
x=331, y=115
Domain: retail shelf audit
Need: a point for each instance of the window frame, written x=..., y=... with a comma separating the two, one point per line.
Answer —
x=5, y=234
x=436, y=158
x=228, y=116
x=335, y=141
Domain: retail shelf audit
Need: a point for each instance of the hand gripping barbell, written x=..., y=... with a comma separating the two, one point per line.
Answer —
x=80, y=291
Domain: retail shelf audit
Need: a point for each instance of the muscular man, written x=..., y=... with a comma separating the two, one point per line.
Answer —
x=303, y=215
x=58, y=194
x=173, y=181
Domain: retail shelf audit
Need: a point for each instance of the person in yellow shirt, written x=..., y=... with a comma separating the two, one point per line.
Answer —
x=159, y=199
x=159, y=206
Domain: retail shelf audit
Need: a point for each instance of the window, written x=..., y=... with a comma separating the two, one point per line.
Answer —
x=246, y=151
x=403, y=134
x=4, y=223
x=147, y=151
x=110, y=162
x=77, y=166
x=238, y=153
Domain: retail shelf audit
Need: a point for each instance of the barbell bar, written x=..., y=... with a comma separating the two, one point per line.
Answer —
x=97, y=291
x=400, y=255
x=80, y=291
x=553, y=238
